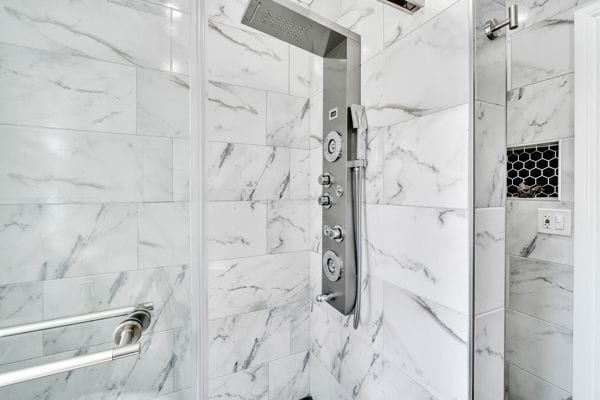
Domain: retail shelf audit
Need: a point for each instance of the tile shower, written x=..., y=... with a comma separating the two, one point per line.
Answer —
x=462, y=297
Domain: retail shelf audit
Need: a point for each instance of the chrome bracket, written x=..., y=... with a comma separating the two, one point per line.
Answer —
x=492, y=26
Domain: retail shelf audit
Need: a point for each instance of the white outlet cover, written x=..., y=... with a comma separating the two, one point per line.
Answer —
x=555, y=221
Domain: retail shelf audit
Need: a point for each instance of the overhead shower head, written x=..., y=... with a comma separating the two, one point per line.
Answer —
x=296, y=25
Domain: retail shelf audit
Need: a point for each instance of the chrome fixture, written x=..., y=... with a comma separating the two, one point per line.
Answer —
x=126, y=336
x=340, y=49
x=72, y=320
x=492, y=26
x=325, y=297
x=410, y=7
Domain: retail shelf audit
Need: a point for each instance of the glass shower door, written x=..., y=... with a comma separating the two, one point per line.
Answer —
x=95, y=193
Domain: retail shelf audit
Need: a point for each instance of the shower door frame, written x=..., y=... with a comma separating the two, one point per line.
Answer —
x=586, y=333
x=199, y=289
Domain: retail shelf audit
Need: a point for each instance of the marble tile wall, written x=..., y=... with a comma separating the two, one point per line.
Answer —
x=259, y=235
x=540, y=267
x=94, y=205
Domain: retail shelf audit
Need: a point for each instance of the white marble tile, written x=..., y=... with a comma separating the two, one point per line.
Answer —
x=522, y=238
x=426, y=160
x=541, y=348
x=288, y=226
x=183, y=5
x=541, y=112
x=250, y=384
x=489, y=259
x=236, y=114
x=162, y=104
x=397, y=24
x=543, y=290
x=169, y=289
x=181, y=169
x=525, y=386
x=370, y=329
x=316, y=169
x=299, y=174
x=256, y=283
x=163, y=234
x=288, y=121
x=490, y=155
x=567, y=169
x=395, y=90
x=246, y=58
x=532, y=11
x=245, y=172
x=289, y=377
x=54, y=241
x=489, y=356
x=365, y=17
x=112, y=30
x=228, y=12
x=20, y=303
x=375, y=166
x=72, y=166
x=300, y=316
x=300, y=68
x=181, y=35
x=316, y=121
x=59, y=91
x=316, y=226
x=490, y=55
x=237, y=343
x=326, y=338
x=18, y=348
x=330, y=9
x=553, y=44
x=359, y=364
x=438, y=360
x=322, y=384
x=316, y=76
x=399, y=243
x=236, y=229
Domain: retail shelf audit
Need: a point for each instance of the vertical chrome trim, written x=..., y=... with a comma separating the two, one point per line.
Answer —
x=471, y=211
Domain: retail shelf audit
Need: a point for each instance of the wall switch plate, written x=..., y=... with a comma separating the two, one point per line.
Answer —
x=555, y=222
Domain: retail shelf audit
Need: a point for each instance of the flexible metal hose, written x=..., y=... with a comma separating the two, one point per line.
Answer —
x=358, y=207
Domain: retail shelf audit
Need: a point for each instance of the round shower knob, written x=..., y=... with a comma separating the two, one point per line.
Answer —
x=336, y=233
x=332, y=146
x=325, y=180
x=332, y=266
x=325, y=200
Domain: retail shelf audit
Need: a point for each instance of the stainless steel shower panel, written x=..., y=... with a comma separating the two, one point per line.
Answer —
x=296, y=25
x=341, y=89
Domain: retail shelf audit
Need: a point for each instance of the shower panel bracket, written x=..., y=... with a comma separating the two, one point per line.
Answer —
x=340, y=49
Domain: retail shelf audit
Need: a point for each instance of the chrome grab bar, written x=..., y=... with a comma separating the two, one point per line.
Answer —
x=126, y=335
x=72, y=320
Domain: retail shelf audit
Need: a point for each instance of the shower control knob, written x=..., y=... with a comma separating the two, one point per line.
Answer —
x=336, y=233
x=325, y=180
x=325, y=200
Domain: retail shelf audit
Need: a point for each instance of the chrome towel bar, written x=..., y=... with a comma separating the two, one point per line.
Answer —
x=72, y=320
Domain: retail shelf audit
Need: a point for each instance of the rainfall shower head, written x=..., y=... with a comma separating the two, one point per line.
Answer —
x=296, y=25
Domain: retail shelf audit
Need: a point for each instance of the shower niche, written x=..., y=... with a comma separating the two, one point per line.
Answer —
x=533, y=171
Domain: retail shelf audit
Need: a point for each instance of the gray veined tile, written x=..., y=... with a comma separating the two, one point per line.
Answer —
x=323, y=385
x=542, y=289
x=243, y=341
x=245, y=172
x=426, y=160
x=18, y=348
x=399, y=243
x=330, y=9
x=489, y=356
x=289, y=377
x=236, y=229
x=181, y=169
x=162, y=104
x=227, y=12
x=169, y=289
x=66, y=240
x=163, y=234
x=300, y=320
x=394, y=90
x=110, y=30
x=541, y=112
x=567, y=169
x=544, y=349
x=288, y=226
x=532, y=12
x=58, y=166
x=257, y=283
x=489, y=262
x=365, y=17
x=359, y=365
x=20, y=303
x=316, y=121
x=326, y=338
x=299, y=174
x=316, y=169
x=438, y=361
x=300, y=69
x=181, y=45
x=246, y=58
x=522, y=238
x=374, y=176
x=490, y=160
x=250, y=384
x=543, y=51
x=288, y=121
x=62, y=91
x=182, y=5
x=526, y=386
x=236, y=114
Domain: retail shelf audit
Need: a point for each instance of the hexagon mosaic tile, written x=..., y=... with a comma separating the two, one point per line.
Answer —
x=533, y=171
